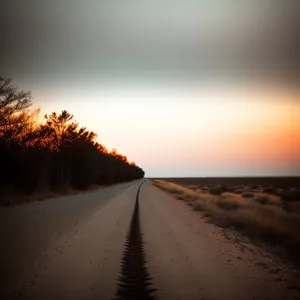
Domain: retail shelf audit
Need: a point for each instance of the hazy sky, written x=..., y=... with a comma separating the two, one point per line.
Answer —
x=184, y=88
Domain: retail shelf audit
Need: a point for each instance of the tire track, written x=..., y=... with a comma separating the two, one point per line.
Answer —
x=134, y=280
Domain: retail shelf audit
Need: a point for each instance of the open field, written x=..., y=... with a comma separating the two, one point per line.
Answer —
x=266, y=210
x=211, y=181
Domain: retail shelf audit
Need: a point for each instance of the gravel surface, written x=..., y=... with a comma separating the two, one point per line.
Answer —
x=66, y=248
x=95, y=245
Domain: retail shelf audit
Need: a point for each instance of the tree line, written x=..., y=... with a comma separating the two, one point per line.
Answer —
x=54, y=152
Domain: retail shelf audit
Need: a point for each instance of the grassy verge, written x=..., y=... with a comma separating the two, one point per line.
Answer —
x=261, y=217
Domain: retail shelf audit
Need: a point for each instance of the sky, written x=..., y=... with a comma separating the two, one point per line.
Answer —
x=183, y=88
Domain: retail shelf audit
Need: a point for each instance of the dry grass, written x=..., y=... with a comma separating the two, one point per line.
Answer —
x=264, y=198
x=177, y=190
x=262, y=218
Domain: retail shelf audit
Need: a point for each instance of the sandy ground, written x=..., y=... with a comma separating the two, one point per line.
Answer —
x=72, y=248
x=191, y=259
x=69, y=248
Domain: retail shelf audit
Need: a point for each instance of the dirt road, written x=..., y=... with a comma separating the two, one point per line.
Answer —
x=107, y=245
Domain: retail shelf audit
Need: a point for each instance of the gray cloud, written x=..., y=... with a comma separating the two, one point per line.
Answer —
x=79, y=39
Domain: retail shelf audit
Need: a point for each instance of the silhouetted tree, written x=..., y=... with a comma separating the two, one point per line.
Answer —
x=52, y=154
x=11, y=101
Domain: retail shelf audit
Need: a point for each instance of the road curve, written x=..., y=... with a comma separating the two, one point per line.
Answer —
x=130, y=241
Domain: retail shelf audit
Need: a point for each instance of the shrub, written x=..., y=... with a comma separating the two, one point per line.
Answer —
x=228, y=204
x=291, y=195
x=269, y=190
x=216, y=190
x=230, y=188
x=261, y=200
x=247, y=195
x=239, y=191
x=278, y=192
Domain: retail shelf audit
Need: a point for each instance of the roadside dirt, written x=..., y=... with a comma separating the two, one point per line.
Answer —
x=189, y=258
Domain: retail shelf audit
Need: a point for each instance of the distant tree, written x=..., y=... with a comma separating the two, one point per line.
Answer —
x=117, y=155
x=12, y=101
x=60, y=130
x=52, y=154
x=24, y=131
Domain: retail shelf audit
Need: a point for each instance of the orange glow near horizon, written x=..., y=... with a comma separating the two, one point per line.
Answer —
x=199, y=133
